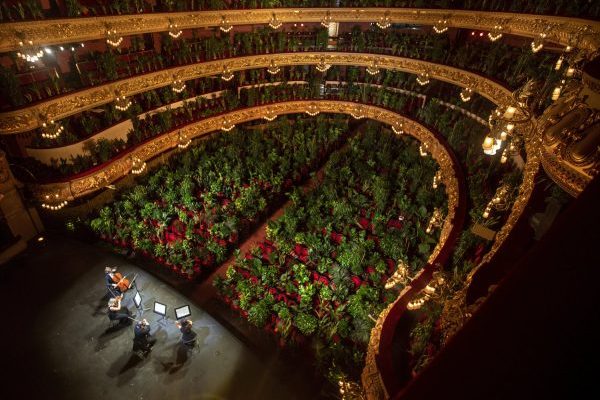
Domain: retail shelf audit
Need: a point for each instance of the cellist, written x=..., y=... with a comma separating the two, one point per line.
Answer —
x=115, y=282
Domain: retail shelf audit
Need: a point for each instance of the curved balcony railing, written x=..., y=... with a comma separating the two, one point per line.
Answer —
x=563, y=30
x=57, y=108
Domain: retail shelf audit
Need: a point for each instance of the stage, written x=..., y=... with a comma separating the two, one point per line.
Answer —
x=58, y=343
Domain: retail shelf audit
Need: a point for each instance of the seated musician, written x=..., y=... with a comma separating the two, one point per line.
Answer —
x=116, y=311
x=188, y=336
x=143, y=340
x=109, y=275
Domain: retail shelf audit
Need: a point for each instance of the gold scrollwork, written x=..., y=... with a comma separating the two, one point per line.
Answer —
x=68, y=30
x=57, y=108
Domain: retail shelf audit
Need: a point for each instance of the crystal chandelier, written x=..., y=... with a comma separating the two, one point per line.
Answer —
x=435, y=221
x=384, y=21
x=465, y=94
x=273, y=68
x=398, y=128
x=178, y=85
x=500, y=201
x=52, y=202
x=495, y=33
x=174, y=31
x=32, y=54
x=423, y=78
x=441, y=26
x=226, y=75
x=322, y=66
x=183, y=141
x=225, y=26
x=538, y=43
x=269, y=116
x=312, y=109
x=113, y=38
x=137, y=165
x=227, y=125
x=373, y=69
x=326, y=19
x=274, y=22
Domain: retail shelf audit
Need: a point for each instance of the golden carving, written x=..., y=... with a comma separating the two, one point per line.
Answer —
x=68, y=30
x=60, y=107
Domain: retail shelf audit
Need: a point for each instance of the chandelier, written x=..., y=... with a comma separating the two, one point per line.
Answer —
x=384, y=21
x=441, y=26
x=178, y=85
x=137, y=165
x=312, y=109
x=274, y=22
x=423, y=147
x=273, y=68
x=226, y=75
x=174, y=31
x=269, y=116
x=436, y=179
x=54, y=206
x=326, y=20
x=51, y=129
x=122, y=103
x=183, y=141
x=423, y=78
x=538, y=42
x=322, y=66
x=227, y=125
x=400, y=276
x=435, y=221
x=495, y=33
x=373, y=69
x=559, y=63
x=398, y=128
x=510, y=150
x=32, y=54
x=500, y=201
x=465, y=94
x=503, y=119
x=113, y=38
x=225, y=26
x=357, y=113
x=429, y=291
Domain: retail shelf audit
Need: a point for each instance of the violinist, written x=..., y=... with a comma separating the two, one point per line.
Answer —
x=188, y=336
x=117, y=312
x=143, y=340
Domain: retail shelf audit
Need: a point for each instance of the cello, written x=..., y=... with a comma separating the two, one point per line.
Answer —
x=122, y=283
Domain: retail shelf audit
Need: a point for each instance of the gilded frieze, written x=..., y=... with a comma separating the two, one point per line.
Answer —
x=51, y=32
x=57, y=108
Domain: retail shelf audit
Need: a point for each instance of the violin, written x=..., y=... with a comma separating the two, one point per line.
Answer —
x=121, y=282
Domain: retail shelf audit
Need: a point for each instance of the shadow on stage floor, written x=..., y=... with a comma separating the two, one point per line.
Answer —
x=57, y=341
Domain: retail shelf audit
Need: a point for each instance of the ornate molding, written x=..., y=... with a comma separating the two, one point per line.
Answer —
x=57, y=108
x=68, y=30
x=115, y=169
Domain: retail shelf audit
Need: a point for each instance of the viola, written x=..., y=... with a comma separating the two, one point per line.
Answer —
x=122, y=282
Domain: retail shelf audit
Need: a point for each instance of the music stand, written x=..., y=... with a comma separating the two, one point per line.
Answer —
x=133, y=283
x=137, y=300
x=183, y=312
x=160, y=309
